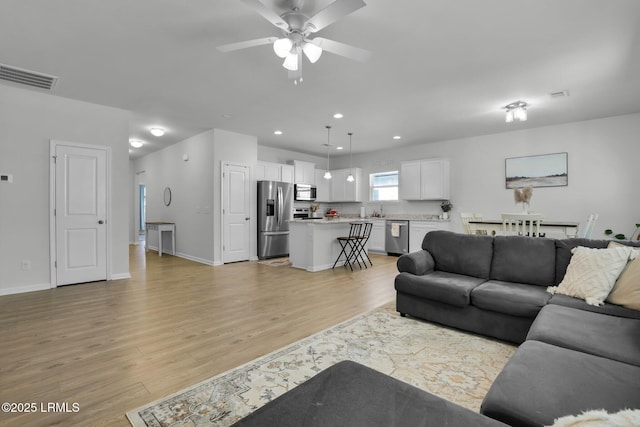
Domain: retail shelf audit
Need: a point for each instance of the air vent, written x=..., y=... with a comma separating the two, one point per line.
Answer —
x=559, y=94
x=27, y=77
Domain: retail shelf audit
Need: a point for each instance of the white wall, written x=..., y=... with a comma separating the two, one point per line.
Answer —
x=28, y=120
x=603, y=158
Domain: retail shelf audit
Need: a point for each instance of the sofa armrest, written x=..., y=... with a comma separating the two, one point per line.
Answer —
x=418, y=263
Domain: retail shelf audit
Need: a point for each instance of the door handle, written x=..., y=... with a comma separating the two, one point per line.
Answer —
x=101, y=222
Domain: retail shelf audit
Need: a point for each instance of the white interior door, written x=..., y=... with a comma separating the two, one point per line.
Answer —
x=236, y=208
x=80, y=214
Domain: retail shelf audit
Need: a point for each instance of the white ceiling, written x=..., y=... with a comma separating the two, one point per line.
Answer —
x=441, y=69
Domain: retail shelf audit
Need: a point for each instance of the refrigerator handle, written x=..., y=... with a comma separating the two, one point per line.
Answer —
x=280, y=205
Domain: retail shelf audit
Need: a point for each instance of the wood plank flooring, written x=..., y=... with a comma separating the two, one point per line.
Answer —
x=113, y=346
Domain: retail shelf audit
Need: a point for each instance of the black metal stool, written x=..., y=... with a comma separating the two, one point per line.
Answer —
x=349, y=243
x=362, y=240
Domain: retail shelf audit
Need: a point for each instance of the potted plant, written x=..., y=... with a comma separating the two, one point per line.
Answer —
x=621, y=236
x=446, y=207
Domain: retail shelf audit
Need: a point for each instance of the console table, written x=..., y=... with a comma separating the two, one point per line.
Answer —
x=160, y=227
x=494, y=226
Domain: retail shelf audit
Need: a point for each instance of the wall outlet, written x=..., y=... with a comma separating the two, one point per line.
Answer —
x=26, y=264
x=6, y=177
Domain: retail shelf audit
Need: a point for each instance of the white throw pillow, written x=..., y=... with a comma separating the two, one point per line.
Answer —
x=600, y=418
x=592, y=273
x=626, y=291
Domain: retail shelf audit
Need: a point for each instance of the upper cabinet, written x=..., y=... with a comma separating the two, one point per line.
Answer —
x=424, y=179
x=267, y=171
x=305, y=172
x=338, y=189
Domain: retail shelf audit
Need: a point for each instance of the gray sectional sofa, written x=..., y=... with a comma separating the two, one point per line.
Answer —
x=573, y=356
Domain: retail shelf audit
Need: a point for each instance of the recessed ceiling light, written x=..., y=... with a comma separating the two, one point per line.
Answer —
x=338, y=116
x=339, y=148
x=157, y=131
x=226, y=116
x=397, y=137
x=277, y=132
x=136, y=143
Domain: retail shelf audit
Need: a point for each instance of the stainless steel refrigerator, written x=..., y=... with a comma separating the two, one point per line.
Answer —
x=275, y=200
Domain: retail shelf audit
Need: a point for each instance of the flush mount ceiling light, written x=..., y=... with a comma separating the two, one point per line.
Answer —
x=157, y=131
x=296, y=29
x=516, y=111
x=327, y=174
x=277, y=132
x=136, y=143
x=350, y=178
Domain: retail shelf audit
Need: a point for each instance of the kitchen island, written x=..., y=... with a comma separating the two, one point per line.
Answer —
x=312, y=242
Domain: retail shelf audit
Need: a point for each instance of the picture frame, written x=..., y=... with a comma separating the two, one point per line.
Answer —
x=544, y=170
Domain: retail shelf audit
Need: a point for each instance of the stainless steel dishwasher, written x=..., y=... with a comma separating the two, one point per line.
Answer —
x=396, y=240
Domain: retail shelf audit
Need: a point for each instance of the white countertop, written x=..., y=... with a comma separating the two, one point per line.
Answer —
x=343, y=219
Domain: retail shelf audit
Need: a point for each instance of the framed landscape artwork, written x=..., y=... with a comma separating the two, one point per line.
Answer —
x=546, y=170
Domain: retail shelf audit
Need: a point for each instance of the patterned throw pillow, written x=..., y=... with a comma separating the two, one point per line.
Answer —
x=626, y=291
x=592, y=273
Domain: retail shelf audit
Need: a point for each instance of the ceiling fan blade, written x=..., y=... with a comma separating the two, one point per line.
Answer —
x=342, y=49
x=332, y=13
x=267, y=13
x=245, y=44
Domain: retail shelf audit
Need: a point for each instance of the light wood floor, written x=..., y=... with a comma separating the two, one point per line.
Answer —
x=114, y=346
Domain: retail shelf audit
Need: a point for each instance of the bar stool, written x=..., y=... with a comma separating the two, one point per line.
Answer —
x=362, y=240
x=349, y=243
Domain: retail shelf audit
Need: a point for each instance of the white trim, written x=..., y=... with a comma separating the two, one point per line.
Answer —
x=24, y=289
x=120, y=276
x=53, y=144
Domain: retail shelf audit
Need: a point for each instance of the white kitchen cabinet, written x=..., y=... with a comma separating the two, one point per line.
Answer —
x=376, y=240
x=268, y=171
x=287, y=173
x=424, y=180
x=343, y=190
x=304, y=172
x=323, y=187
x=418, y=229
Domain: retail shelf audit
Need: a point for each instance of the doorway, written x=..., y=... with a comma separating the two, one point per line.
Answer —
x=236, y=212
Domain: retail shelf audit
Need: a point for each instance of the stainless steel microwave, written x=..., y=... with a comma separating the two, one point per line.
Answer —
x=305, y=192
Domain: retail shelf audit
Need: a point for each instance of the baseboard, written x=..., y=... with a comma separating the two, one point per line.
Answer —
x=120, y=276
x=196, y=259
x=24, y=289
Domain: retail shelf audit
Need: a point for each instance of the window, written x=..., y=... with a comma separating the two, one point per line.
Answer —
x=384, y=185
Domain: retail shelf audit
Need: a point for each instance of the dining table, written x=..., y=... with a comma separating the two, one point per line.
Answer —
x=547, y=228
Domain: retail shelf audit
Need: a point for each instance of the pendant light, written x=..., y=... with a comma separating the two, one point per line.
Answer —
x=350, y=178
x=327, y=174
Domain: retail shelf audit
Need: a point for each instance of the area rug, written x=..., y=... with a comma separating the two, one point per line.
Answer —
x=276, y=262
x=452, y=364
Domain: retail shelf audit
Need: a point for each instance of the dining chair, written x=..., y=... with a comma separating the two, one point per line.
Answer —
x=469, y=216
x=588, y=228
x=521, y=224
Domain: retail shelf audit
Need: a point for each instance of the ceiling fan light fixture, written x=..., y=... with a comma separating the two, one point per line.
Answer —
x=312, y=51
x=291, y=62
x=282, y=47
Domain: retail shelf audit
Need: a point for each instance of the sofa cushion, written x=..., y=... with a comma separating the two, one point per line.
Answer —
x=468, y=254
x=449, y=288
x=613, y=337
x=516, y=299
x=592, y=273
x=542, y=382
x=522, y=259
x=612, y=309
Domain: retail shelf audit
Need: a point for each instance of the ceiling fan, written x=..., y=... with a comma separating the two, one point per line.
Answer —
x=297, y=29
